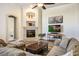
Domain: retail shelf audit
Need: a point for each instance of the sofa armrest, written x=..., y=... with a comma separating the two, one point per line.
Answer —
x=70, y=53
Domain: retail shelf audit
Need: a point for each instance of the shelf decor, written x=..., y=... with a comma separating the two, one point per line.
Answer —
x=30, y=23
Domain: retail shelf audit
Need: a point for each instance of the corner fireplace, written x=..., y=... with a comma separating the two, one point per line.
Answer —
x=30, y=33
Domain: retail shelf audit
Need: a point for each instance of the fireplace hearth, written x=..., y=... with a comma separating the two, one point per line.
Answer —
x=30, y=33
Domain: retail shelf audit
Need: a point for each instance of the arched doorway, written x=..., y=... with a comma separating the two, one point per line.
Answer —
x=11, y=28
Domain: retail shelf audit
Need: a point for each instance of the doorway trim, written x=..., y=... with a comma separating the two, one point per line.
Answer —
x=11, y=16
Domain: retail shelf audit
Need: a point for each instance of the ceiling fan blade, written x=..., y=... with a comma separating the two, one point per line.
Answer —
x=49, y=3
x=43, y=7
x=34, y=6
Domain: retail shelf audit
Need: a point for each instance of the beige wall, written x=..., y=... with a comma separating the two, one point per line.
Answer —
x=5, y=10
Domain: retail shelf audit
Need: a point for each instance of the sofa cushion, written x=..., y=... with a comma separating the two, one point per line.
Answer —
x=57, y=42
x=17, y=44
x=70, y=53
x=11, y=45
x=56, y=51
x=30, y=54
x=64, y=42
x=72, y=44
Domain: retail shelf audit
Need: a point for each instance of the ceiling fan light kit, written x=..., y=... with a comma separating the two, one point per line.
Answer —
x=40, y=4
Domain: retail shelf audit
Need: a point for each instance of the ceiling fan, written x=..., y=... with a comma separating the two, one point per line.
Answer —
x=42, y=5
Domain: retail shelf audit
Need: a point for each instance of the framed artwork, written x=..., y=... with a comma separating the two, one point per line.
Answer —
x=30, y=23
x=55, y=19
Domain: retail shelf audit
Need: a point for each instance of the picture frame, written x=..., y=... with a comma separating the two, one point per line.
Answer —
x=55, y=19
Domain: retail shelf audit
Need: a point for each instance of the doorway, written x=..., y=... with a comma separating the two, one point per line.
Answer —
x=11, y=28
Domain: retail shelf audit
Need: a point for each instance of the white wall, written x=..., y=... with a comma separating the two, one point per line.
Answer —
x=70, y=13
x=5, y=10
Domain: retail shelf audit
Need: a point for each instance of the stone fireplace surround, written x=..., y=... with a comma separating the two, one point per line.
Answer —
x=30, y=32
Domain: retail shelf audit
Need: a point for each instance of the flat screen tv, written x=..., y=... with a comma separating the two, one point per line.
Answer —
x=54, y=28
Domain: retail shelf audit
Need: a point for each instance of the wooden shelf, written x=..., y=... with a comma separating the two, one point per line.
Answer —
x=54, y=36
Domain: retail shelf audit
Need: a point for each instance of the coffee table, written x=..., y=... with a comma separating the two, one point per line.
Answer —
x=37, y=47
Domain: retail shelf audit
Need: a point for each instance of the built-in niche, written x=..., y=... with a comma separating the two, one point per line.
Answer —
x=30, y=23
x=30, y=15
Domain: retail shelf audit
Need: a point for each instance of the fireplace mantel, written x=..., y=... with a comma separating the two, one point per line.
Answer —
x=31, y=27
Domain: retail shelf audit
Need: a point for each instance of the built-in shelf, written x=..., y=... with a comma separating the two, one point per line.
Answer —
x=55, y=27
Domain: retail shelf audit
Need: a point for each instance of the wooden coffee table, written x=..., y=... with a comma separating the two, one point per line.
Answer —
x=36, y=47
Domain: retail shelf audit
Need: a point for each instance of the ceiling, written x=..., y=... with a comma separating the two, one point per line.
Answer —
x=27, y=5
x=54, y=5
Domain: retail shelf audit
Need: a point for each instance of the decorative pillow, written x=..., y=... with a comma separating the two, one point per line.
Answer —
x=2, y=43
x=72, y=43
x=64, y=42
x=76, y=50
x=56, y=51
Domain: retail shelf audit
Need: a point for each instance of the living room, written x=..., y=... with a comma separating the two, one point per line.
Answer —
x=25, y=27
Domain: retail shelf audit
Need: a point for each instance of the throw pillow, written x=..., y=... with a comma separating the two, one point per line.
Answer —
x=56, y=51
x=76, y=50
x=72, y=43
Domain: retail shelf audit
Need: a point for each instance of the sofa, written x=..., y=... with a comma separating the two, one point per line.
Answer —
x=64, y=47
x=13, y=49
x=67, y=47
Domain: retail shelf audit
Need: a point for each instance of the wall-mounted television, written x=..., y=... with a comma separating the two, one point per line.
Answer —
x=54, y=28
